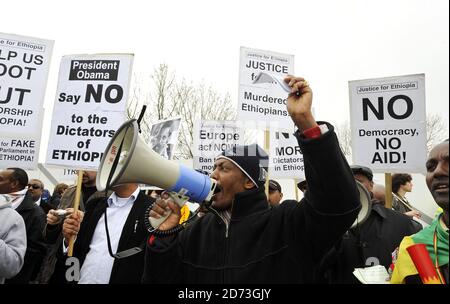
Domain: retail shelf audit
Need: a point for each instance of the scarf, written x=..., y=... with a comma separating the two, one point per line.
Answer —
x=404, y=266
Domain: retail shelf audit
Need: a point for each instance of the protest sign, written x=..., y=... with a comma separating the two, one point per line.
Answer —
x=285, y=158
x=388, y=123
x=89, y=107
x=262, y=91
x=24, y=66
x=212, y=138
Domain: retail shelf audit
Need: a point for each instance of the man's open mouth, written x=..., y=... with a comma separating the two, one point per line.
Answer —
x=440, y=187
x=217, y=190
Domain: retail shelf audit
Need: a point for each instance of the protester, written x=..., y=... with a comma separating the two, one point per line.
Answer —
x=13, y=239
x=368, y=243
x=35, y=188
x=435, y=236
x=13, y=183
x=88, y=188
x=110, y=227
x=275, y=193
x=54, y=266
x=242, y=239
x=379, y=193
x=401, y=184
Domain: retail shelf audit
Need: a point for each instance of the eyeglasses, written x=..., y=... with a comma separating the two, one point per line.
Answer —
x=34, y=186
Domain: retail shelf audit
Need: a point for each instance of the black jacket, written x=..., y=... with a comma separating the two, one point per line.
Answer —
x=46, y=206
x=54, y=267
x=34, y=218
x=266, y=245
x=127, y=270
x=369, y=244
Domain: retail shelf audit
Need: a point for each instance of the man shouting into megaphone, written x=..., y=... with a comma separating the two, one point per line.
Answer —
x=242, y=239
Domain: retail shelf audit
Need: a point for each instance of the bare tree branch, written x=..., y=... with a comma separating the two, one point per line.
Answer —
x=344, y=134
x=436, y=131
x=168, y=98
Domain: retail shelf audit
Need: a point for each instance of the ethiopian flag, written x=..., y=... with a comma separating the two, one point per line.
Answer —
x=404, y=266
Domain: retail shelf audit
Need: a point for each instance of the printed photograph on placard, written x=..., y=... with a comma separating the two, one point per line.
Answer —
x=164, y=136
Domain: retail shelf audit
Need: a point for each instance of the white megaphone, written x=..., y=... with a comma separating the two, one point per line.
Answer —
x=366, y=205
x=128, y=159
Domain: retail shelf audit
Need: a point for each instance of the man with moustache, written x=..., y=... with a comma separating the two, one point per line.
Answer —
x=435, y=236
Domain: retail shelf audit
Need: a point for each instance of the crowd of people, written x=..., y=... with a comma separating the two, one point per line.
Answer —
x=243, y=236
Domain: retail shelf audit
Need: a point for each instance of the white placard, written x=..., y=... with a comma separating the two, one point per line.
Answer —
x=212, y=138
x=262, y=91
x=24, y=66
x=388, y=122
x=62, y=175
x=285, y=158
x=90, y=106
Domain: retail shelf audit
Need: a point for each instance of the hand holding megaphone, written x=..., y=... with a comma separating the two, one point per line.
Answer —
x=165, y=213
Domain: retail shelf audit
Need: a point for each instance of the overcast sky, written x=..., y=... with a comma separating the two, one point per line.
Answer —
x=333, y=41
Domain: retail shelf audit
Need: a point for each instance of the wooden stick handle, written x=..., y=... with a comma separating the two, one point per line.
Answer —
x=76, y=206
x=388, y=189
x=267, y=147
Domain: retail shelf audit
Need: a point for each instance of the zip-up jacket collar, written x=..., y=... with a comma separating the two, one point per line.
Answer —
x=249, y=202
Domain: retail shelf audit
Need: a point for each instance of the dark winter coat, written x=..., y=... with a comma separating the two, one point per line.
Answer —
x=368, y=244
x=261, y=244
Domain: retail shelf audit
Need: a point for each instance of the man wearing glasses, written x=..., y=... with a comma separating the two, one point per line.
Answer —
x=35, y=188
x=13, y=183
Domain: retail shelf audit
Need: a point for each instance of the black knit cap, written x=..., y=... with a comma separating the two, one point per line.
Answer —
x=356, y=169
x=274, y=185
x=251, y=160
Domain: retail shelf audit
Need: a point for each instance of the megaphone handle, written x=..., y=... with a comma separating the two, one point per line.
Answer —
x=156, y=222
x=180, y=200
